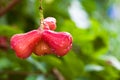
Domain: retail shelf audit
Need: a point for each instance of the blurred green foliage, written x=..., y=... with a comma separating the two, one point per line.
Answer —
x=91, y=57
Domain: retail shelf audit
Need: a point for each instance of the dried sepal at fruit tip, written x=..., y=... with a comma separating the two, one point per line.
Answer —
x=23, y=44
x=60, y=42
x=42, y=48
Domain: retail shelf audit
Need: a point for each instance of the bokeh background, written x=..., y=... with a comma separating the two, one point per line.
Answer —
x=94, y=25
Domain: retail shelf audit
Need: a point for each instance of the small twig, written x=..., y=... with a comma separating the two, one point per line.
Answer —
x=58, y=75
x=10, y=6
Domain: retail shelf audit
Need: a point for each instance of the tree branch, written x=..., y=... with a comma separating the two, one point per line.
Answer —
x=10, y=6
x=57, y=73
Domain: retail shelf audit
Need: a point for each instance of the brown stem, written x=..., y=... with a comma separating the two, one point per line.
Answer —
x=41, y=15
x=10, y=6
x=57, y=73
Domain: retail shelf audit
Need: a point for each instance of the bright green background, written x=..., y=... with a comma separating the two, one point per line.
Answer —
x=95, y=53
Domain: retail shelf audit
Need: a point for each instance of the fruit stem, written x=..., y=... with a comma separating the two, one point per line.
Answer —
x=41, y=15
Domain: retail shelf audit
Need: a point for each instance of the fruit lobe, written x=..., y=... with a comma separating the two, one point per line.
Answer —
x=42, y=49
x=23, y=44
x=60, y=42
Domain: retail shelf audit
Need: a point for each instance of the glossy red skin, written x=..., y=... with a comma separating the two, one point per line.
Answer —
x=23, y=44
x=60, y=42
x=49, y=23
